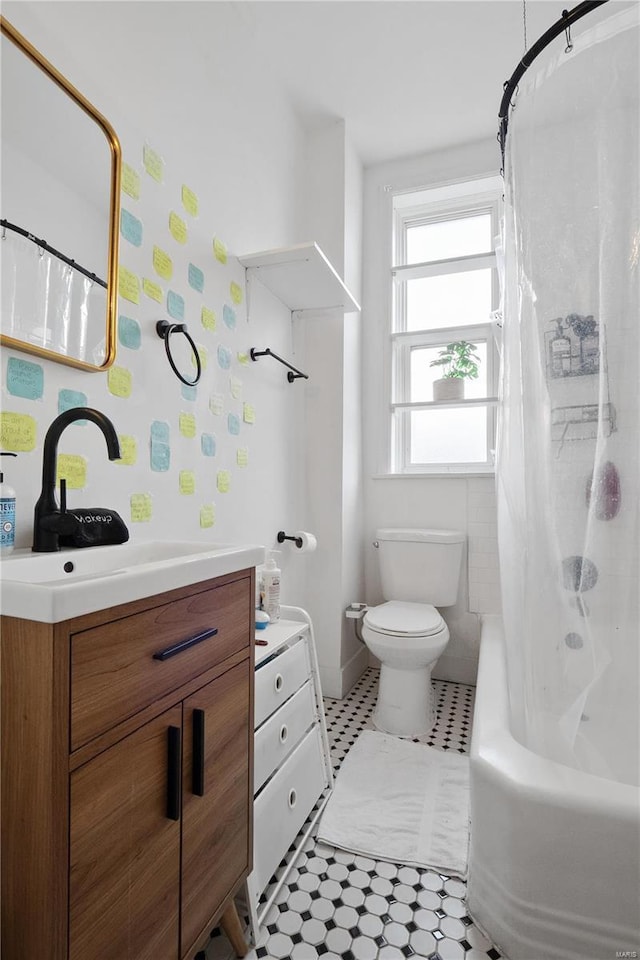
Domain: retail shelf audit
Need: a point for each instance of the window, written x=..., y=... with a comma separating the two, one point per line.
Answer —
x=445, y=288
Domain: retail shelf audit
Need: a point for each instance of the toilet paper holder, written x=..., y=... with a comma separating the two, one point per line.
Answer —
x=304, y=541
x=282, y=536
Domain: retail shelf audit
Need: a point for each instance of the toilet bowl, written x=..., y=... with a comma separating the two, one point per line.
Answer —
x=407, y=638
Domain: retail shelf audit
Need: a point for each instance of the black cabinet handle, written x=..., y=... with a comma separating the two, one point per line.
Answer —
x=197, y=782
x=184, y=644
x=173, y=773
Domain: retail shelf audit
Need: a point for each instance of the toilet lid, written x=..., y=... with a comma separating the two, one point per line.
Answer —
x=402, y=617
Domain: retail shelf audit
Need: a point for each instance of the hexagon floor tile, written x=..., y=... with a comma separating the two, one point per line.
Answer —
x=336, y=904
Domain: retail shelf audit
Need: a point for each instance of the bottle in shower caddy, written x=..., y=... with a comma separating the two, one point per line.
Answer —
x=271, y=588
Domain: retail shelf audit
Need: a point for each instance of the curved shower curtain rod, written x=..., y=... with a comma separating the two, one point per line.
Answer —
x=563, y=24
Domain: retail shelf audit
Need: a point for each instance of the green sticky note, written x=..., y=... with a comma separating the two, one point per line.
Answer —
x=141, y=507
x=208, y=319
x=187, y=482
x=17, y=431
x=207, y=515
x=119, y=382
x=187, y=423
x=223, y=481
x=73, y=468
x=153, y=163
x=128, y=450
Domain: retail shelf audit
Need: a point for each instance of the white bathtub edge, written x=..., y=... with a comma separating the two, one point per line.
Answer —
x=553, y=855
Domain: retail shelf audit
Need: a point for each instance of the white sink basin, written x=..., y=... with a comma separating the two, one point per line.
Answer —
x=50, y=587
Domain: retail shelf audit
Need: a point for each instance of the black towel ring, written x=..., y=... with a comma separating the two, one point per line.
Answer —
x=164, y=329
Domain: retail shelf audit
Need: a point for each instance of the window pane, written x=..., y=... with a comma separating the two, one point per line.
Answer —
x=445, y=239
x=453, y=435
x=423, y=375
x=451, y=300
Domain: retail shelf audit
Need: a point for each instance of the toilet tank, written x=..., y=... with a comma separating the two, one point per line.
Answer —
x=422, y=566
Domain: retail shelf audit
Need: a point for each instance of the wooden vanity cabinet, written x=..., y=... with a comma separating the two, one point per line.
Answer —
x=127, y=775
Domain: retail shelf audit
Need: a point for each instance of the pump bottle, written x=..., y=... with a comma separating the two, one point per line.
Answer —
x=7, y=513
x=271, y=588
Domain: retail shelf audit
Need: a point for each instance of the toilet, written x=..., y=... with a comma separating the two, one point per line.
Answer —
x=419, y=571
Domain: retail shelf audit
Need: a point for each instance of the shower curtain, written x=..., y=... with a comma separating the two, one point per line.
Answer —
x=569, y=426
x=44, y=301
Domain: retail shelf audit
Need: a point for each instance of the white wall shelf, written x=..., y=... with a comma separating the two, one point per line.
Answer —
x=302, y=278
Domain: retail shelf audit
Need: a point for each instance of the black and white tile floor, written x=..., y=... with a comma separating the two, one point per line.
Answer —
x=339, y=905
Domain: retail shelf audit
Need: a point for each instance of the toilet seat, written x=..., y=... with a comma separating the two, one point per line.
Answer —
x=404, y=619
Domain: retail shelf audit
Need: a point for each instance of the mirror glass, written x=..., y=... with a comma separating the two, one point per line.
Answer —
x=59, y=199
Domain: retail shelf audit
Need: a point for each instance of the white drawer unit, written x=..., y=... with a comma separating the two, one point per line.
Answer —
x=278, y=735
x=277, y=679
x=285, y=803
x=292, y=766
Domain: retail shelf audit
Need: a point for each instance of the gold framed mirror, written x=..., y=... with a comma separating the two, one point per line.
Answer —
x=59, y=213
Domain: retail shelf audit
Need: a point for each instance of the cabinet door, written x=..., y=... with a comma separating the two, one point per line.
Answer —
x=125, y=847
x=217, y=797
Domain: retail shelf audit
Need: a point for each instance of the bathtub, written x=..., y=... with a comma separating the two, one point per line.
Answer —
x=554, y=854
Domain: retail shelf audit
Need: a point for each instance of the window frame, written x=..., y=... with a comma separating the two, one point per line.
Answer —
x=450, y=202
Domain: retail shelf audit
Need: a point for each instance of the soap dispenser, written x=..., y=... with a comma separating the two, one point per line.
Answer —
x=7, y=513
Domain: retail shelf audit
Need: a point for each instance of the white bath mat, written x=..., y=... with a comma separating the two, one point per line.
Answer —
x=401, y=801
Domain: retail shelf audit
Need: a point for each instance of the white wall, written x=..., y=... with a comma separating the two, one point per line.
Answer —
x=224, y=128
x=239, y=147
x=463, y=503
x=333, y=216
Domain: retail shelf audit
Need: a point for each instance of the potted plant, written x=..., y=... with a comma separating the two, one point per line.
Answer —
x=459, y=362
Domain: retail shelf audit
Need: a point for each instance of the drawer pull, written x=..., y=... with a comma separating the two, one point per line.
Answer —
x=277, y=683
x=284, y=733
x=292, y=800
x=197, y=777
x=184, y=645
x=173, y=773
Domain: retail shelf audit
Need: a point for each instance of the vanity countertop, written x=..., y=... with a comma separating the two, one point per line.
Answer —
x=52, y=587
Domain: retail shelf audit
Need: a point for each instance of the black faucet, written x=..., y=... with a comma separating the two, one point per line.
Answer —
x=48, y=520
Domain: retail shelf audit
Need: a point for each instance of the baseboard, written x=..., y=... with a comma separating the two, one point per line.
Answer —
x=337, y=681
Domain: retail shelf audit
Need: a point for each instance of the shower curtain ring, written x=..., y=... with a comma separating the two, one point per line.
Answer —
x=567, y=33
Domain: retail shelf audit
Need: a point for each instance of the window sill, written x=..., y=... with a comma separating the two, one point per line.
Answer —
x=437, y=475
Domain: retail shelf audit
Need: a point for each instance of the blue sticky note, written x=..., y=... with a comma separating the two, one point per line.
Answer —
x=129, y=332
x=208, y=444
x=68, y=399
x=229, y=316
x=25, y=379
x=189, y=393
x=196, y=278
x=175, y=305
x=131, y=228
x=160, y=456
x=233, y=423
x=160, y=431
x=224, y=357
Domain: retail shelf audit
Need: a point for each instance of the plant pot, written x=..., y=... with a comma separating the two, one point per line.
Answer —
x=448, y=388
